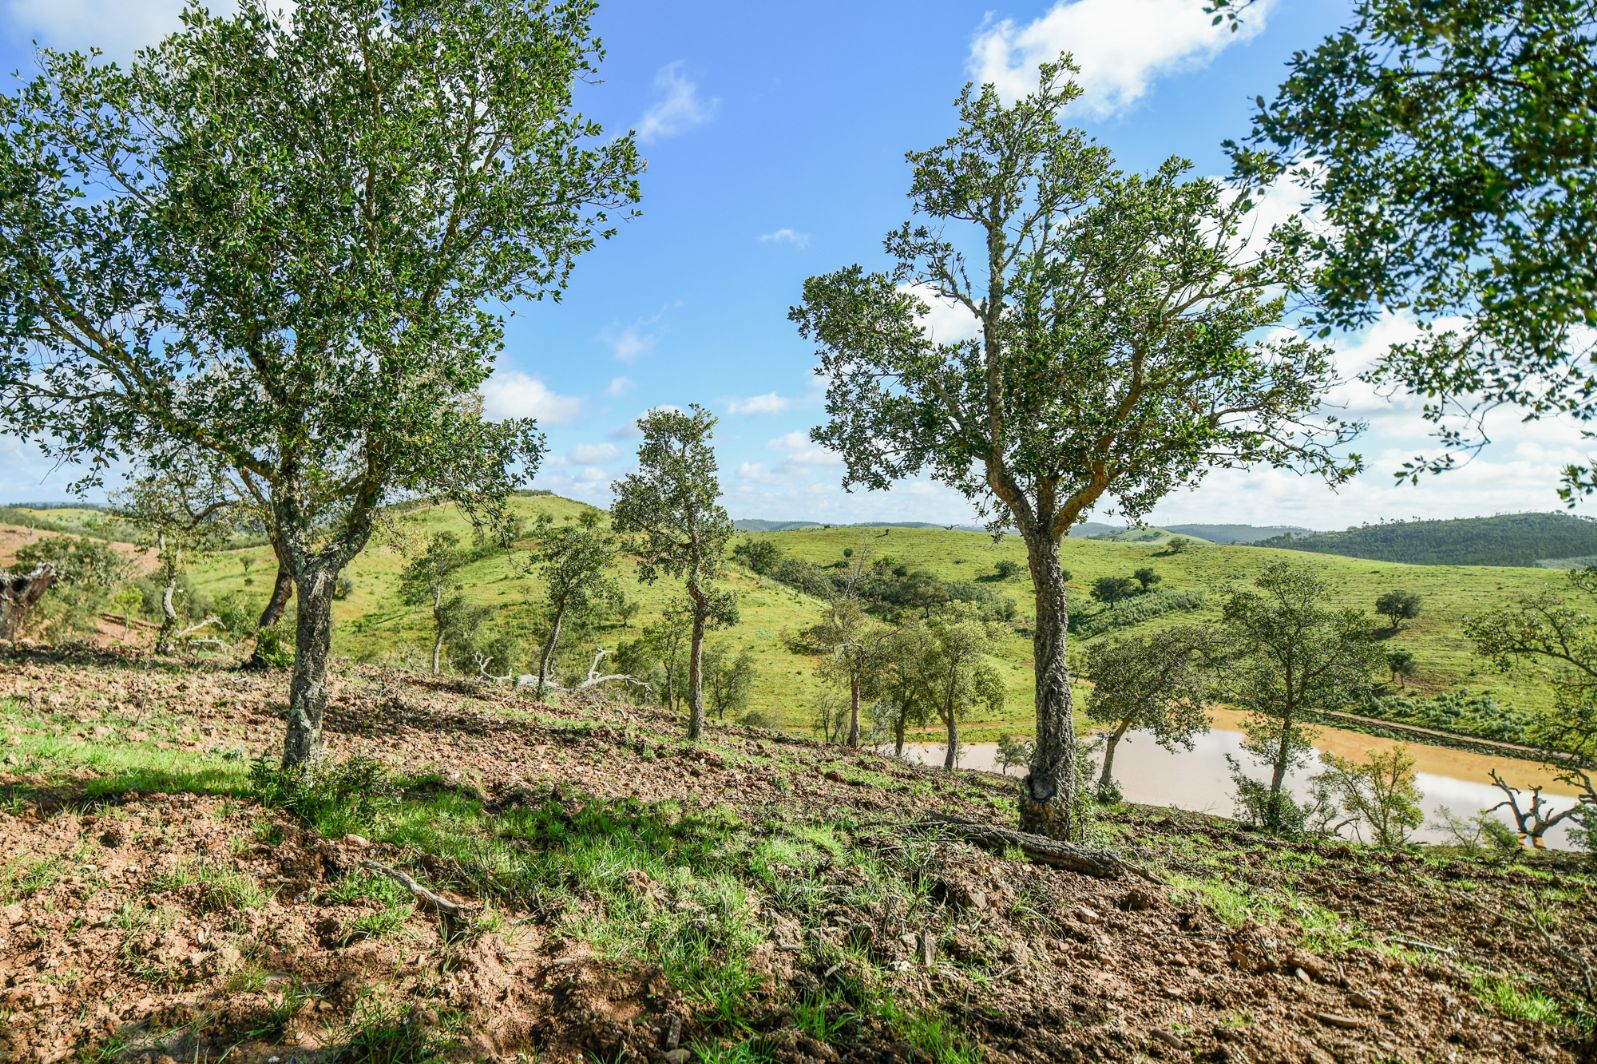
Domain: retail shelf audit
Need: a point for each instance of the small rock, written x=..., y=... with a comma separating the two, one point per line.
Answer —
x=676, y=1056
x=1301, y=976
x=356, y=841
x=1086, y=915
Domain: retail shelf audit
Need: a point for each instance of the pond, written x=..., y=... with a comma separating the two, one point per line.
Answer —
x=1200, y=780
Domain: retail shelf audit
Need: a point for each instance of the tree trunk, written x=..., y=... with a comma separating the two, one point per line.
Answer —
x=282, y=591
x=163, y=638
x=438, y=643
x=1048, y=793
x=898, y=735
x=313, y=638
x=853, y=710
x=696, y=675
x=1282, y=755
x=19, y=593
x=1106, y=777
x=951, y=757
x=549, y=650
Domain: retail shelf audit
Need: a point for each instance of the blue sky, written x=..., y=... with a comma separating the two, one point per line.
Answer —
x=775, y=137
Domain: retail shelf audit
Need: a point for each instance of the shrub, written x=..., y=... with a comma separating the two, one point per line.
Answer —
x=1379, y=795
x=1465, y=712
x=1006, y=569
x=1257, y=807
x=332, y=795
x=344, y=586
x=1138, y=610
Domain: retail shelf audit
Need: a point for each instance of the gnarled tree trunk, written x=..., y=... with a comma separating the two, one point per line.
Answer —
x=163, y=638
x=1048, y=793
x=853, y=708
x=1106, y=777
x=19, y=593
x=549, y=650
x=313, y=641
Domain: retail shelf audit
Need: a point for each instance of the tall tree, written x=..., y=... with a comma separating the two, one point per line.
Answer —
x=1292, y=653
x=1452, y=148
x=958, y=676
x=848, y=640
x=310, y=303
x=185, y=510
x=1119, y=351
x=1156, y=683
x=428, y=580
x=672, y=505
x=900, y=682
x=1554, y=637
x=574, y=561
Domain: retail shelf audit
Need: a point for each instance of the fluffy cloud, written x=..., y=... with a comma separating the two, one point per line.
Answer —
x=619, y=386
x=118, y=26
x=630, y=343
x=945, y=321
x=769, y=403
x=678, y=107
x=786, y=235
x=802, y=453
x=592, y=454
x=1121, y=46
x=512, y=393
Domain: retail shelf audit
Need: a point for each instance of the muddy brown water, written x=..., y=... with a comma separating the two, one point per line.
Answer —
x=1200, y=780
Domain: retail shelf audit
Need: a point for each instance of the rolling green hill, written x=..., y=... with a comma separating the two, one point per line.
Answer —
x=373, y=625
x=1238, y=533
x=1507, y=539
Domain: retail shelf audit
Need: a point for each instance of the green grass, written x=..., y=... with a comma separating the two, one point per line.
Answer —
x=1517, y=1001
x=372, y=624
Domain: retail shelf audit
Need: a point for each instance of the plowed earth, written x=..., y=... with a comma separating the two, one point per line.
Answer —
x=177, y=918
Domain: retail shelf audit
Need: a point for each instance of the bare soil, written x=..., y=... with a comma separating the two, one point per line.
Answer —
x=142, y=939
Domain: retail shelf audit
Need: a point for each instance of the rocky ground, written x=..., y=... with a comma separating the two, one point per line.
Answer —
x=628, y=896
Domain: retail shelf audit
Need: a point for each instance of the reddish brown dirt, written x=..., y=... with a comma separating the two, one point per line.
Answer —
x=1036, y=964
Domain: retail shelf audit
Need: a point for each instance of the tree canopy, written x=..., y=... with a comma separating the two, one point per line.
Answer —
x=1452, y=148
x=311, y=304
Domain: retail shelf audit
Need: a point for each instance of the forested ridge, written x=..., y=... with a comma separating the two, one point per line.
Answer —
x=1506, y=539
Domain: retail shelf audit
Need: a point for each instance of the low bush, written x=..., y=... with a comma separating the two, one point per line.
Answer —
x=1134, y=611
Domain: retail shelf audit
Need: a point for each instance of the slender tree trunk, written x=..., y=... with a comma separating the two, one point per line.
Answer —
x=163, y=638
x=1282, y=754
x=951, y=757
x=549, y=650
x=313, y=638
x=282, y=591
x=898, y=735
x=438, y=640
x=1048, y=793
x=853, y=709
x=1106, y=777
x=696, y=674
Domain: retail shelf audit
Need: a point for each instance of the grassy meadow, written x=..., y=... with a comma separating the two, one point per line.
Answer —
x=373, y=625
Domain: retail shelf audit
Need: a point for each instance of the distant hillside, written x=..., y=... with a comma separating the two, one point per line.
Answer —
x=755, y=524
x=1238, y=533
x=1507, y=539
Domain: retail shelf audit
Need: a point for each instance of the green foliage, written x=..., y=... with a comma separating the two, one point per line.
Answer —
x=728, y=679
x=1508, y=539
x=326, y=793
x=87, y=572
x=1378, y=795
x=1111, y=590
x=1258, y=805
x=1013, y=750
x=1157, y=683
x=1398, y=606
x=1146, y=578
x=759, y=555
x=1289, y=653
x=1139, y=610
x=1464, y=712
x=1400, y=663
x=1449, y=146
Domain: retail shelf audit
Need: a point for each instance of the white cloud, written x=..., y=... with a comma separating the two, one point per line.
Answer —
x=756, y=473
x=512, y=393
x=769, y=403
x=945, y=321
x=678, y=108
x=619, y=386
x=786, y=235
x=1120, y=45
x=591, y=454
x=120, y=27
x=630, y=343
x=801, y=452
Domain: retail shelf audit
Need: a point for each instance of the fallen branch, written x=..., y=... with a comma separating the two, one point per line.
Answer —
x=593, y=679
x=451, y=914
x=191, y=629
x=1415, y=943
x=1038, y=848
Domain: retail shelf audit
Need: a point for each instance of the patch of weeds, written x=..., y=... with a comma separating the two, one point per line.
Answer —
x=1230, y=903
x=823, y=1016
x=379, y=1033
x=23, y=877
x=361, y=886
x=383, y=922
x=338, y=797
x=748, y=1051
x=1512, y=999
x=1326, y=932
x=281, y=1010
x=216, y=889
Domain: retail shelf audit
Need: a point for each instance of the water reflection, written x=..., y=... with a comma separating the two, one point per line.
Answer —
x=1200, y=780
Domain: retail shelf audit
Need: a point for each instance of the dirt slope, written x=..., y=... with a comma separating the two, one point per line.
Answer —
x=152, y=908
